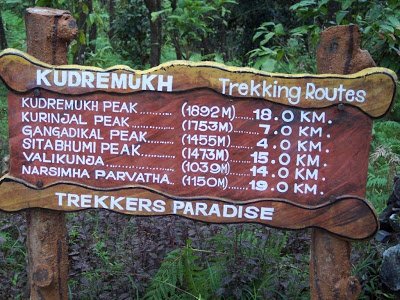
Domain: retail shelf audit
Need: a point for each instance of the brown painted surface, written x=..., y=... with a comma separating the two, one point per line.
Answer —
x=49, y=32
x=51, y=27
x=155, y=139
x=172, y=147
x=330, y=269
x=19, y=73
x=169, y=120
x=351, y=218
x=339, y=52
x=172, y=159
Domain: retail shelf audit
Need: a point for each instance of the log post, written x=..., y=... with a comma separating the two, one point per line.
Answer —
x=48, y=33
x=330, y=269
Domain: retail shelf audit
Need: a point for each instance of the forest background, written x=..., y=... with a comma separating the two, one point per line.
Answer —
x=119, y=257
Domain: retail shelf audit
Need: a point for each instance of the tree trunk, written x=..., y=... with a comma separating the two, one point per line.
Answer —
x=3, y=39
x=92, y=30
x=330, y=269
x=48, y=33
x=79, y=57
x=155, y=32
x=111, y=13
x=175, y=38
x=177, y=46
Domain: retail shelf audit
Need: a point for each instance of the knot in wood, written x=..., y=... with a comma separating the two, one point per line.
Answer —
x=66, y=28
x=39, y=184
x=348, y=288
x=42, y=276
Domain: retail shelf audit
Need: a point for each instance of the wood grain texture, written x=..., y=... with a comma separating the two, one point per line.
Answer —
x=339, y=146
x=323, y=195
x=330, y=267
x=49, y=31
x=18, y=71
x=318, y=185
x=348, y=217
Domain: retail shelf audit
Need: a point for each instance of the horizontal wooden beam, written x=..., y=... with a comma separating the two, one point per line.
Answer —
x=374, y=88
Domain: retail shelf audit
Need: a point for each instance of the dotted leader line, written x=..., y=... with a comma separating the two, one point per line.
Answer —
x=239, y=174
x=155, y=113
x=157, y=155
x=153, y=127
x=241, y=161
x=241, y=147
x=237, y=188
x=141, y=168
x=246, y=132
x=160, y=142
x=244, y=118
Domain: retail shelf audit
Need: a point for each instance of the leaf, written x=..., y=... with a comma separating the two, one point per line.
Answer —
x=301, y=4
x=300, y=30
x=386, y=28
x=279, y=29
x=85, y=9
x=340, y=16
x=367, y=29
x=82, y=37
x=346, y=4
x=14, y=1
x=156, y=14
x=267, y=37
x=266, y=24
x=229, y=2
x=44, y=3
x=322, y=2
x=280, y=53
x=257, y=35
x=92, y=19
x=265, y=63
x=394, y=21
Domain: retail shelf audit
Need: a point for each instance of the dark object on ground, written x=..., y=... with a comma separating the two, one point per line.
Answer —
x=5, y=163
x=390, y=270
x=382, y=236
x=389, y=219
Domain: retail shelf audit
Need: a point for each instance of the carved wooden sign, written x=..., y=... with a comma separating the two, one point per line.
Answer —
x=199, y=140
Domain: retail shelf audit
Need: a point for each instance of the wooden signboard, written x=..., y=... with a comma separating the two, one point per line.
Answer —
x=200, y=140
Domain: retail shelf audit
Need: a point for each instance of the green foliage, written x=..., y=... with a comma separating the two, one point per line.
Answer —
x=17, y=6
x=3, y=121
x=246, y=263
x=181, y=276
x=283, y=49
x=131, y=32
x=14, y=27
x=379, y=22
x=368, y=259
x=258, y=267
x=105, y=55
x=88, y=18
x=290, y=51
x=12, y=260
x=384, y=162
x=189, y=23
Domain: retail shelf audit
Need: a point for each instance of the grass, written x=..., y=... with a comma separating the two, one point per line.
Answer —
x=13, y=257
x=3, y=121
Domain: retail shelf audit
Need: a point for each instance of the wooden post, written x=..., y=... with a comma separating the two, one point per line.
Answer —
x=330, y=269
x=48, y=32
